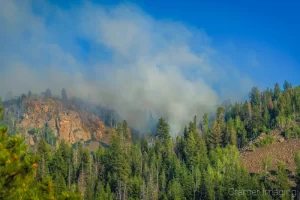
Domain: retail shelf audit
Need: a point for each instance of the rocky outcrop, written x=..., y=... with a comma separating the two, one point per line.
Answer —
x=67, y=123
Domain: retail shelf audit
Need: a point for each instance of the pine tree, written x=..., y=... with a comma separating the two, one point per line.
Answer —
x=48, y=93
x=60, y=184
x=191, y=151
x=203, y=154
x=17, y=167
x=64, y=95
x=282, y=180
x=29, y=95
x=175, y=191
x=125, y=129
x=215, y=137
x=255, y=96
x=195, y=122
x=297, y=162
x=100, y=192
x=185, y=132
x=163, y=130
x=287, y=85
x=277, y=92
x=230, y=134
x=220, y=115
x=241, y=133
x=205, y=124
x=44, y=152
x=89, y=191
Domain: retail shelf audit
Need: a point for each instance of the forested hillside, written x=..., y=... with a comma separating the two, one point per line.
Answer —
x=204, y=162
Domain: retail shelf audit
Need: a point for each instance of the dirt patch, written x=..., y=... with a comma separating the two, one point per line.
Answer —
x=279, y=151
x=94, y=145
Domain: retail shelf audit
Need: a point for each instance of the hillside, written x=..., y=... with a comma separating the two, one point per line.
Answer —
x=279, y=149
x=204, y=162
x=32, y=117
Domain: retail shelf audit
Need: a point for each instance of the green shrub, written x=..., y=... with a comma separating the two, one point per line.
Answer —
x=266, y=130
x=288, y=133
x=88, y=141
x=265, y=141
x=297, y=130
x=35, y=131
x=293, y=131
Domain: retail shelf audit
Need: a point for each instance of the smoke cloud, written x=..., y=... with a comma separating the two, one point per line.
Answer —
x=119, y=56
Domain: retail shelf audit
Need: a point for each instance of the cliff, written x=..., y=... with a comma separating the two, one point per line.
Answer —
x=66, y=122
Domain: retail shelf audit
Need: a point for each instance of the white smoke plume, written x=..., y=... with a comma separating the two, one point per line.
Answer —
x=132, y=62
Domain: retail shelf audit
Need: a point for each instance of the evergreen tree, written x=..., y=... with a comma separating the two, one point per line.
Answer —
x=287, y=85
x=230, y=134
x=163, y=130
x=17, y=167
x=277, y=91
x=29, y=95
x=185, y=132
x=282, y=181
x=64, y=95
x=175, y=191
x=48, y=93
x=191, y=151
x=125, y=129
x=205, y=124
x=297, y=162
x=255, y=96
x=215, y=137
x=44, y=152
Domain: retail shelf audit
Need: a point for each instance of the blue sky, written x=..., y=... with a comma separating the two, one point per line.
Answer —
x=174, y=58
x=269, y=30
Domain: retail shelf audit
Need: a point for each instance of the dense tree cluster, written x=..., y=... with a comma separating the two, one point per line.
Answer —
x=239, y=123
x=202, y=163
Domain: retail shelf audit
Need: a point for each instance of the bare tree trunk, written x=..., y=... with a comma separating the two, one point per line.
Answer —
x=294, y=109
x=120, y=190
x=124, y=195
x=82, y=181
x=70, y=132
x=69, y=178
x=43, y=166
x=142, y=195
x=157, y=185
x=75, y=159
x=96, y=167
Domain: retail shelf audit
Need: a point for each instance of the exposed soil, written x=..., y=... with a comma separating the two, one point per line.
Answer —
x=278, y=151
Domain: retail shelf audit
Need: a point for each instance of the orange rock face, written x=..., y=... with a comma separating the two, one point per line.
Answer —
x=67, y=124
